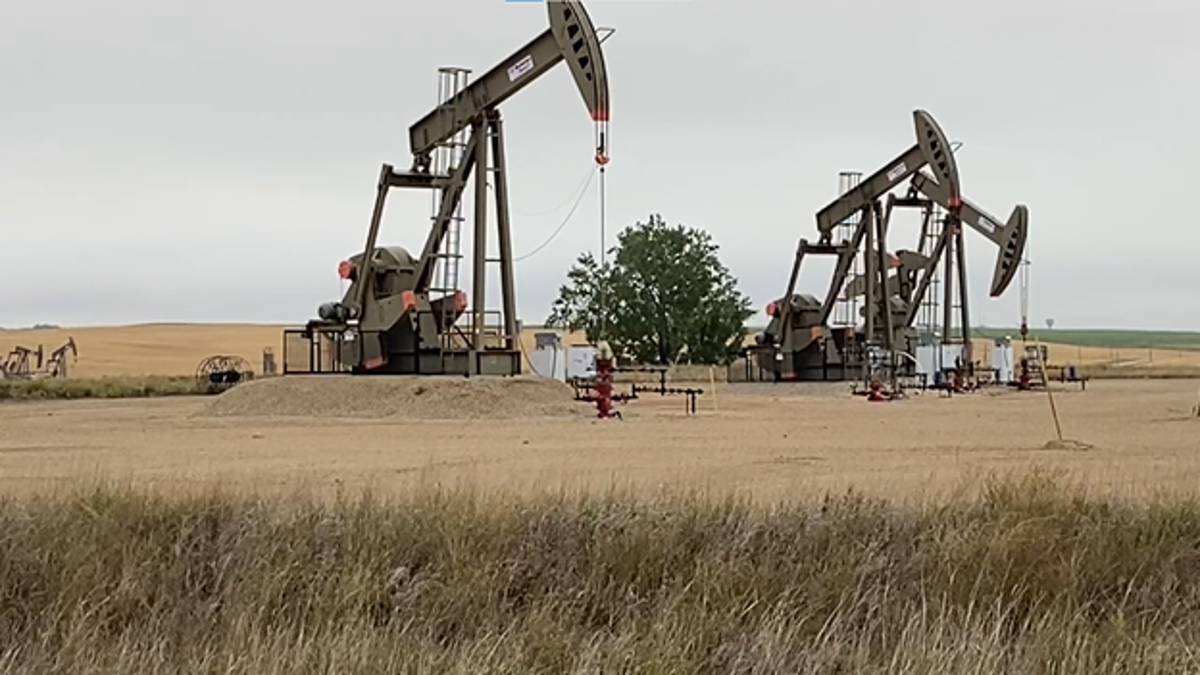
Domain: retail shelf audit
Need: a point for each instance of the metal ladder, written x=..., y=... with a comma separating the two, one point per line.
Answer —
x=927, y=313
x=846, y=308
x=446, y=158
x=1034, y=365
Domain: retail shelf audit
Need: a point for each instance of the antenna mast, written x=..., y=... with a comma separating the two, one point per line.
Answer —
x=1024, y=281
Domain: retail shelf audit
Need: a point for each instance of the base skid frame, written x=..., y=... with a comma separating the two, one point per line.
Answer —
x=320, y=350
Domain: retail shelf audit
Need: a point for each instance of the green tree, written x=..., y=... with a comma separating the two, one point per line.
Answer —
x=663, y=297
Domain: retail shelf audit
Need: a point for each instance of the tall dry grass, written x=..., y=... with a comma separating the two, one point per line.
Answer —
x=102, y=387
x=1027, y=577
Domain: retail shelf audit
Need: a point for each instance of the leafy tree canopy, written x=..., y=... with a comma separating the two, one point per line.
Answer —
x=663, y=297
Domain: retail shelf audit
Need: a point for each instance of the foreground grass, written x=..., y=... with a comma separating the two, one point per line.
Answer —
x=1027, y=578
x=106, y=387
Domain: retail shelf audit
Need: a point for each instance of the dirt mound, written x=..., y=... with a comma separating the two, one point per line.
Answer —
x=398, y=396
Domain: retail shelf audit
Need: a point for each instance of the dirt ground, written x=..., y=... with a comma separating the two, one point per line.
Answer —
x=771, y=441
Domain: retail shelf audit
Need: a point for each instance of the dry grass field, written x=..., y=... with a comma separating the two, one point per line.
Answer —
x=151, y=349
x=369, y=525
x=177, y=349
x=165, y=349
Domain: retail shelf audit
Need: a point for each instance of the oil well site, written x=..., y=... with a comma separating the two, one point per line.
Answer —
x=867, y=379
x=403, y=453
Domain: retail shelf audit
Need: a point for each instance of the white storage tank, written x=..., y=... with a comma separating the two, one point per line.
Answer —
x=549, y=359
x=927, y=361
x=1002, y=360
x=951, y=356
x=581, y=361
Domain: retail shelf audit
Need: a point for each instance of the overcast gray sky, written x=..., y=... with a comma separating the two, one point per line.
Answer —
x=214, y=161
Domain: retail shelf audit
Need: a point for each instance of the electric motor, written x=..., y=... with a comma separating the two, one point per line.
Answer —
x=332, y=312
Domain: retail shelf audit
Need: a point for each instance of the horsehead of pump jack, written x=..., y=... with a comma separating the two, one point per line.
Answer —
x=571, y=37
x=933, y=149
x=396, y=318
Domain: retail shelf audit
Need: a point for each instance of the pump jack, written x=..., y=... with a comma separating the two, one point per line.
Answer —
x=33, y=364
x=798, y=342
x=389, y=320
x=17, y=365
x=56, y=365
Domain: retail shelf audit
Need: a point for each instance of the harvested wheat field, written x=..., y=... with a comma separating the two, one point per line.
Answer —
x=769, y=441
x=177, y=349
x=168, y=348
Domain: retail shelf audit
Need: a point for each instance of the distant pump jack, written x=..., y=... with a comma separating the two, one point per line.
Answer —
x=798, y=342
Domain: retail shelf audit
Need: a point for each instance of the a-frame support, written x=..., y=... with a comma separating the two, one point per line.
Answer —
x=956, y=280
x=486, y=353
